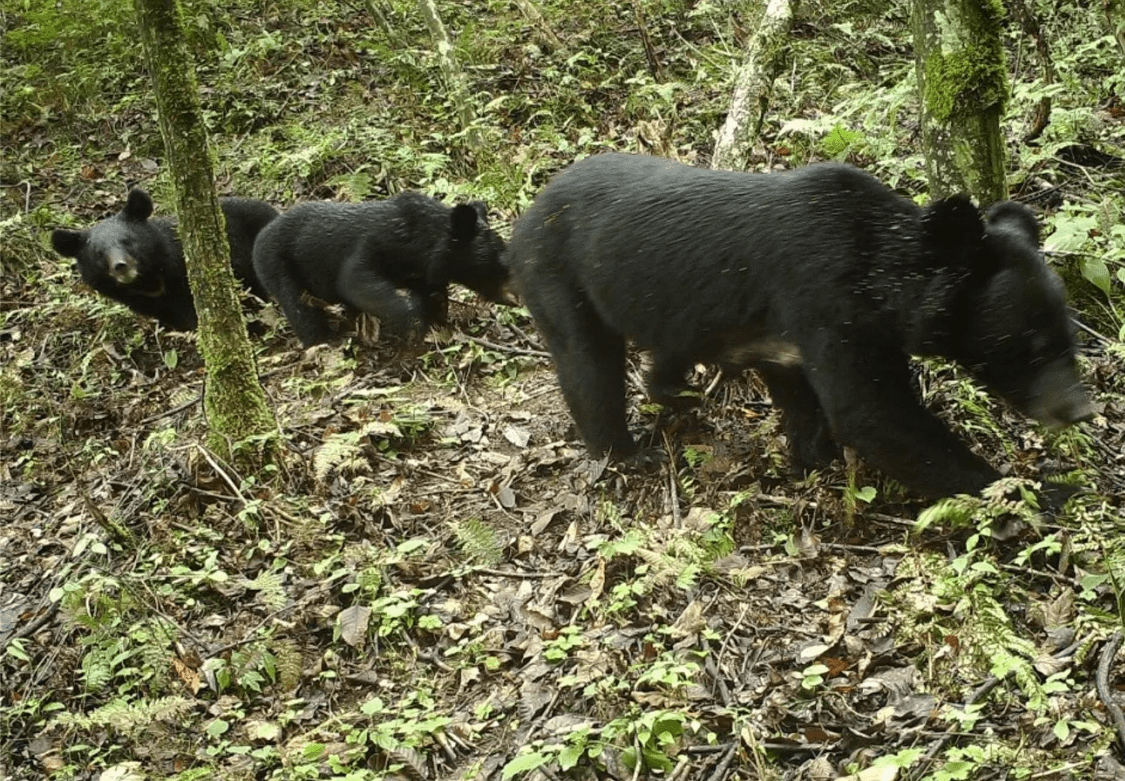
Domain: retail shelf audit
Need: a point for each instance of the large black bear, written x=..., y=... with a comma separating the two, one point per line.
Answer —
x=393, y=259
x=140, y=262
x=821, y=278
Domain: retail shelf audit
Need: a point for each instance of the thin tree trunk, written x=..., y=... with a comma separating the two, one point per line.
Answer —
x=752, y=86
x=241, y=425
x=1115, y=19
x=381, y=12
x=532, y=13
x=453, y=77
x=1030, y=24
x=963, y=86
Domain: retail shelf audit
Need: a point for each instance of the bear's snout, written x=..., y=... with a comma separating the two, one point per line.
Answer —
x=1059, y=399
x=121, y=266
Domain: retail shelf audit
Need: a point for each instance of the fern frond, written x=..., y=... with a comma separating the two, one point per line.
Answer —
x=956, y=511
x=1114, y=551
x=688, y=578
x=339, y=452
x=991, y=634
x=289, y=667
x=479, y=541
x=269, y=584
x=128, y=717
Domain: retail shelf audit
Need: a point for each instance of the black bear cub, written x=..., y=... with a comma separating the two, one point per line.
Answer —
x=822, y=279
x=140, y=263
x=393, y=259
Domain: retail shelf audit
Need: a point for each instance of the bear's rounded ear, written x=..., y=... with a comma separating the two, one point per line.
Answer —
x=139, y=205
x=463, y=222
x=952, y=229
x=1009, y=215
x=68, y=243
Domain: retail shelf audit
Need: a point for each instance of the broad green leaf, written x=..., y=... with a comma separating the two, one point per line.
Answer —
x=569, y=756
x=1096, y=271
x=523, y=763
x=1071, y=231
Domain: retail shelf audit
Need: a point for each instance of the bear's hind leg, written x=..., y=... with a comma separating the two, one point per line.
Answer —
x=811, y=445
x=308, y=322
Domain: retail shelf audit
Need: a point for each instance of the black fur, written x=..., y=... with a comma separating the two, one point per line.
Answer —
x=140, y=263
x=393, y=259
x=821, y=278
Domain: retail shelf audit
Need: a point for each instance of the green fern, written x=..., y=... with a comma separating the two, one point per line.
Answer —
x=1114, y=551
x=97, y=667
x=1007, y=496
x=340, y=452
x=479, y=541
x=269, y=584
x=689, y=577
x=987, y=637
x=289, y=662
x=128, y=717
x=956, y=511
x=990, y=634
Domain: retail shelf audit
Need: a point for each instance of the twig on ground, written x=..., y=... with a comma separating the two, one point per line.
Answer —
x=724, y=763
x=673, y=492
x=713, y=671
x=520, y=575
x=502, y=348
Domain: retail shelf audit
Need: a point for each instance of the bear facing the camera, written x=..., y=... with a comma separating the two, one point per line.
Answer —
x=140, y=263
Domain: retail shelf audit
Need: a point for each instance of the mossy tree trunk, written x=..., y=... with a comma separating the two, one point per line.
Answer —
x=543, y=30
x=963, y=86
x=242, y=426
x=1115, y=19
x=453, y=77
x=765, y=53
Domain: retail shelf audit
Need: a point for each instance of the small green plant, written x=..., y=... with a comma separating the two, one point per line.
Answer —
x=853, y=494
x=411, y=724
x=1093, y=235
x=642, y=741
x=245, y=669
x=479, y=541
x=840, y=142
x=569, y=638
x=812, y=676
x=394, y=612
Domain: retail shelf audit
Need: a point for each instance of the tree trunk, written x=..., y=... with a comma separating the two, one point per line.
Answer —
x=532, y=13
x=242, y=426
x=1029, y=21
x=963, y=87
x=1115, y=19
x=452, y=76
x=752, y=86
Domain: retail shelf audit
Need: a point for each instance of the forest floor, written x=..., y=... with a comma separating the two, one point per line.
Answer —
x=438, y=583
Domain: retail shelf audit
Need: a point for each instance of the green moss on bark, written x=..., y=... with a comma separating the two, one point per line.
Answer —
x=962, y=76
x=963, y=82
x=241, y=425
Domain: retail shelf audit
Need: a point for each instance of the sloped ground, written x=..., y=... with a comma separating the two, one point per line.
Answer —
x=438, y=584
x=441, y=567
